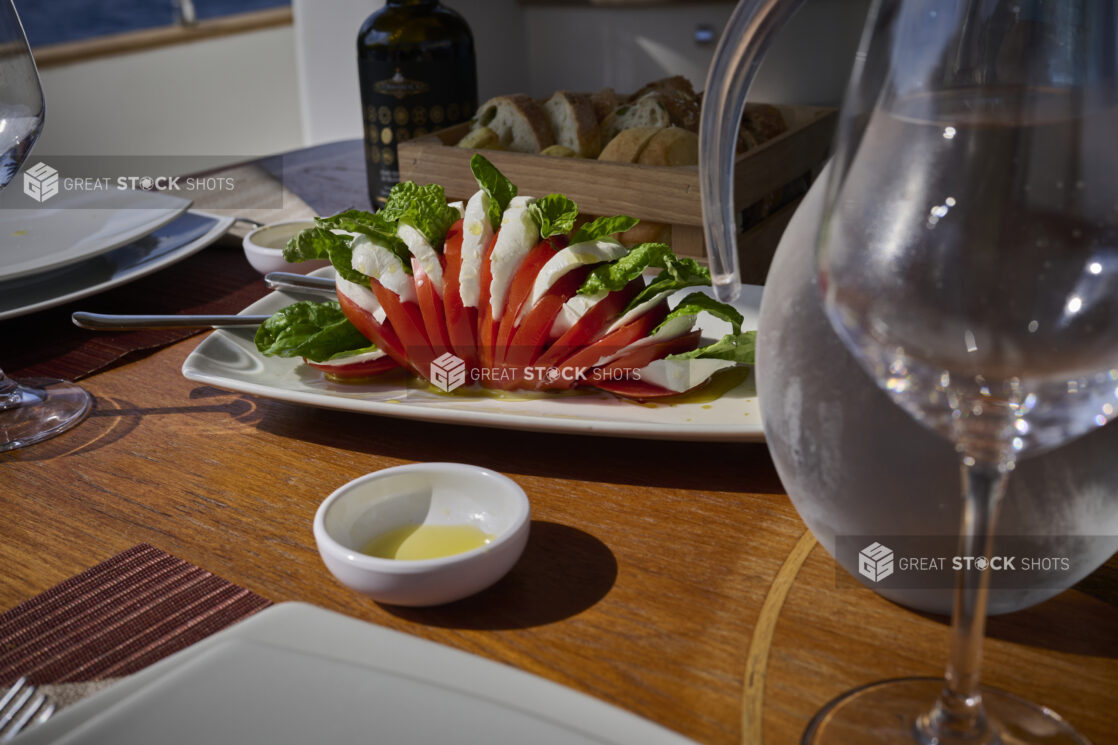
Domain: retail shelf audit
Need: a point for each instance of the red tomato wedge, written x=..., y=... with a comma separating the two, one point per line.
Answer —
x=520, y=290
x=407, y=322
x=461, y=322
x=591, y=325
x=607, y=346
x=378, y=333
x=637, y=389
x=532, y=334
x=365, y=369
x=431, y=310
x=623, y=366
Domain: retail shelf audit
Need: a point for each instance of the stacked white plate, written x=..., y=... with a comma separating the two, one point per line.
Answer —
x=79, y=244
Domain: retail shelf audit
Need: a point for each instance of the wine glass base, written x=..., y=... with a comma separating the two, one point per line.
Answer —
x=40, y=409
x=885, y=713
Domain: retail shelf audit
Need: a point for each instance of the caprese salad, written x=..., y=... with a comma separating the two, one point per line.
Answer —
x=505, y=291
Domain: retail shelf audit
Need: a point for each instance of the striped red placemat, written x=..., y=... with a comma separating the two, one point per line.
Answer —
x=118, y=617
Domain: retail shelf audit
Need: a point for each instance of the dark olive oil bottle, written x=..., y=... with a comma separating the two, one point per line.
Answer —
x=418, y=73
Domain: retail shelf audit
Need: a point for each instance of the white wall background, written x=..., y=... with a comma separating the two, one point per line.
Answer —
x=278, y=89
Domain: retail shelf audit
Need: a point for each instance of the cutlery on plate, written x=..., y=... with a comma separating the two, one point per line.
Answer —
x=20, y=707
x=110, y=322
x=299, y=282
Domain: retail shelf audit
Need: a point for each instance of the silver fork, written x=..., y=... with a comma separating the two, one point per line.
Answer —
x=20, y=707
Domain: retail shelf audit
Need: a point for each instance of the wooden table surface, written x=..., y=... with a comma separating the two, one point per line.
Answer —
x=674, y=580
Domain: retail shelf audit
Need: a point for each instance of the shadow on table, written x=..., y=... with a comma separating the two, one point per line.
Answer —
x=563, y=572
x=700, y=466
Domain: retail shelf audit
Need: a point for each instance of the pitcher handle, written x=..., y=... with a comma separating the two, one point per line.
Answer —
x=739, y=53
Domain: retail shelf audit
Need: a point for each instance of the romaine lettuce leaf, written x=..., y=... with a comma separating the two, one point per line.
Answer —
x=676, y=275
x=616, y=274
x=317, y=331
x=555, y=214
x=321, y=243
x=428, y=212
x=604, y=226
x=697, y=303
x=500, y=190
x=739, y=348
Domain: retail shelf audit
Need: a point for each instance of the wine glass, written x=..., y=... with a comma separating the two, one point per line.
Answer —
x=968, y=258
x=36, y=409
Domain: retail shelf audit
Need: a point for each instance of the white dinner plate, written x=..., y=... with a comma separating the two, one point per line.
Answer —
x=76, y=226
x=295, y=674
x=185, y=236
x=228, y=359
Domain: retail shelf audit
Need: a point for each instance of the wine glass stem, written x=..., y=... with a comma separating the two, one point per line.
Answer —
x=8, y=388
x=958, y=715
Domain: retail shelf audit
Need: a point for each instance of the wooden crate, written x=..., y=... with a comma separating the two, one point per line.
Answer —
x=651, y=193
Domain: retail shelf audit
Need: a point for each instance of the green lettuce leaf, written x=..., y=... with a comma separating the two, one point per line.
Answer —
x=604, y=226
x=427, y=212
x=321, y=243
x=317, y=331
x=739, y=348
x=697, y=303
x=677, y=274
x=616, y=274
x=379, y=228
x=555, y=214
x=500, y=190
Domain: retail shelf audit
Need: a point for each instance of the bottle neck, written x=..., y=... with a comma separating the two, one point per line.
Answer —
x=413, y=3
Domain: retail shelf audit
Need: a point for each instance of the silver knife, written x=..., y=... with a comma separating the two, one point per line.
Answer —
x=299, y=282
x=108, y=322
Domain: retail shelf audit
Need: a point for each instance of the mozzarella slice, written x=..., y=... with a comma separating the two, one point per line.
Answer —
x=519, y=233
x=677, y=326
x=477, y=232
x=568, y=259
x=638, y=310
x=353, y=359
x=362, y=297
x=680, y=375
x=376, y=261
x=573, y=310
x=424, y=254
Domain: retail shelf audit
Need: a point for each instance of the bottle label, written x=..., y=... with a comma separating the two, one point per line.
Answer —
x=405, y=101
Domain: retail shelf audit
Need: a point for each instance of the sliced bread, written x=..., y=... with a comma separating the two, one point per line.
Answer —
x=672, y=146
x=573, y=123
x=648, y=111
x=520, y=123
x=626, y=147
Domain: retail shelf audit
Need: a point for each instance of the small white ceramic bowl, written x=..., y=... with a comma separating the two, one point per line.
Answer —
x=425, y=494
x=264, y=248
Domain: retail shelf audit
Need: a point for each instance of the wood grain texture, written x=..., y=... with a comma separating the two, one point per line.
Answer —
x=644, y=578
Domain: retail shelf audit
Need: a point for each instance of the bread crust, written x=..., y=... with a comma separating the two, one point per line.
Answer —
x=520, y=122
x=574, y=123
x=626, y=147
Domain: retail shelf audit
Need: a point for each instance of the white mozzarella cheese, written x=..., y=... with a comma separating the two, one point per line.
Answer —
x=353, y=359
x=376, y=261
x=519, y=233
x=424, y=254
x=676, y=327
x=477, y=232
x=362, y=297
x=573, y=310
x=637, y=311
x=568, y=259
x=681, y=375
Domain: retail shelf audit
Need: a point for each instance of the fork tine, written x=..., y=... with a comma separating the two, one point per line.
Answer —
x=24, y=718
x=11, y=694
x=14, y=709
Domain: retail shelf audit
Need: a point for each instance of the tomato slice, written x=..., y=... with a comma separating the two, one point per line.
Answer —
x=532, y=334
x=364, y=369
x=461, y=322
x=521, y=289
x=638, y=389
x=407, y=322
x=590, y=326
x=431, y=310
x=574, y=370
x=623, y=366
x=381, y=334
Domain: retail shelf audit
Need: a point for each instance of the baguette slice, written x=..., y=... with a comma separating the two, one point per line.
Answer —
x=673, y=146
x=649, y=111
x=626, y=147
x=574, y=123
x=519, y=122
